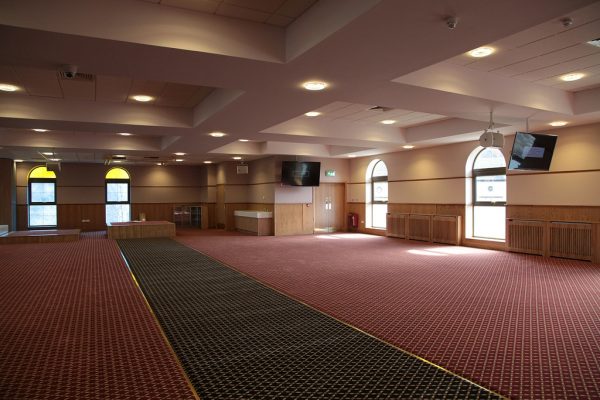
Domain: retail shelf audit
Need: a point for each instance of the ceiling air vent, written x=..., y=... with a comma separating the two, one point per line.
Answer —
x=78, y=77
x=379, y=109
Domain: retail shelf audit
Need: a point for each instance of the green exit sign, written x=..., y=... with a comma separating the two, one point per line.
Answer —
x=330, y=172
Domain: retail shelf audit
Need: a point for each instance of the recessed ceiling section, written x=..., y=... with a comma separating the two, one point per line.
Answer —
x=271, y=12
x=542, y=54
x=102, y=88
x=25, y=138
x=372, y=114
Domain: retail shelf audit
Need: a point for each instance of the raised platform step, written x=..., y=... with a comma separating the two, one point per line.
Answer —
x=41, y=236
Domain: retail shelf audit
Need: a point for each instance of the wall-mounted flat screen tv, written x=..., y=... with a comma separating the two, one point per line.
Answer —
x=532, y=151
x=300, y=173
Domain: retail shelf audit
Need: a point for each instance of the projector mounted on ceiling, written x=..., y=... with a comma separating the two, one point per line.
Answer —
x=489, y=138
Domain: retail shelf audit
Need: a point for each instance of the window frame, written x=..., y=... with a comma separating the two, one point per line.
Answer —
x=30, y=202
x=122, y=181
x=374, y=180
x=486, y=172
x=478, y=172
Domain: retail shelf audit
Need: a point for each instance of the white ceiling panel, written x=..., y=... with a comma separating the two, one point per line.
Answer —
x=557, y=70
x=39, y=82
x=229, y=10
x=553, y=58
x=206, y=6
x=112, y=88
x=295, y=8
x=150, y=88
x=267, y=6
x=8, y=75
x=74, y=89
x=507, y=56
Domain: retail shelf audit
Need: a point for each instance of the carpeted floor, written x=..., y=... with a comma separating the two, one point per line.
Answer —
x=73, y=325
x=524, y=326
x=238, y=339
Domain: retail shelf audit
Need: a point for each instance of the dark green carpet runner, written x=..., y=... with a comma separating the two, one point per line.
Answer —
x=238, y=339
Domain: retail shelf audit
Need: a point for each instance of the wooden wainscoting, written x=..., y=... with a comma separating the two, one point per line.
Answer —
x=568, y=231
x=419, y=227
x=293, y=219
x=91, y=217
x=571, y=240
x=524, y=236
x=446, y=229
x=397, y=225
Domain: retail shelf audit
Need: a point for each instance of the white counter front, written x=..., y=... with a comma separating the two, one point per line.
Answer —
x=256, y=222
x=253, y=214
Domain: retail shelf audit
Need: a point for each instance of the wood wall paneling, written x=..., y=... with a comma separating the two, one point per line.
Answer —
x=554, y=213
x=293, y=219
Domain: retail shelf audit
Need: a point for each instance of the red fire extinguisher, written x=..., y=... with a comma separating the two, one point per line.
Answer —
x=352, y=220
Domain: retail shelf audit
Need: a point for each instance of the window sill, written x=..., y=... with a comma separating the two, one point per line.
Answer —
x=483, y=243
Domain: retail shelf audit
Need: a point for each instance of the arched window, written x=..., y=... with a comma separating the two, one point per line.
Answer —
x=41, y=198
x=489, y=194
x=117, y=196
x=377, y=194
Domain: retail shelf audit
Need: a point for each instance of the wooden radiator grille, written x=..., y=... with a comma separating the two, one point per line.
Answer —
x=446, y=229
x=419, y=227
x=571, y=240
x=526, y=236
x=396, y=225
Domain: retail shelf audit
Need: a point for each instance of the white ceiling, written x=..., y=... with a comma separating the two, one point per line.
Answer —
x=237, y=66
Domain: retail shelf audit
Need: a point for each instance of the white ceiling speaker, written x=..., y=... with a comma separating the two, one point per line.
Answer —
x=489, y=138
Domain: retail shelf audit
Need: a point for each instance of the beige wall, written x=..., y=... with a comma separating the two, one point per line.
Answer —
x=436, y=174
x=577, y=149
x=84, y=183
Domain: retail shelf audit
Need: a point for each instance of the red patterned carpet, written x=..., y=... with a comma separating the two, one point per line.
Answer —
x=74, y=326
x=525, y=326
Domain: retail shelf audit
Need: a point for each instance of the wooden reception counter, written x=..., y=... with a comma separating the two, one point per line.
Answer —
x=140, y=229
x=257, y=222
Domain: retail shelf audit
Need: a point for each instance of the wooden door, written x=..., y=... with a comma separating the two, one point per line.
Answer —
x=328, y=201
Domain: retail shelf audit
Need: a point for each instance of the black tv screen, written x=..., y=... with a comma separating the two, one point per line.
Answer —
x=532, y=151
x=300, y=173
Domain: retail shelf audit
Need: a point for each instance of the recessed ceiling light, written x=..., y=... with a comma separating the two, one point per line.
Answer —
x=351, y=155
x=575, y=76
x=244, y=140
x=207, y=162
x=595, y=42
x=179, y=160
x=6, y=87
x=159, y=164
x=217, y=134
x=312, y=114
x=408, y=146
x=237, y=158
x=18, y=160
x=388, y=121
x=481, y=52
x=40, y=130
x=119, y=156
x=314, y=85
x=142, y=97
x=55, y=159
x=558, y=123
x=117, y=161
x=47, y=153
x=180, y=154
x=124, y=133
